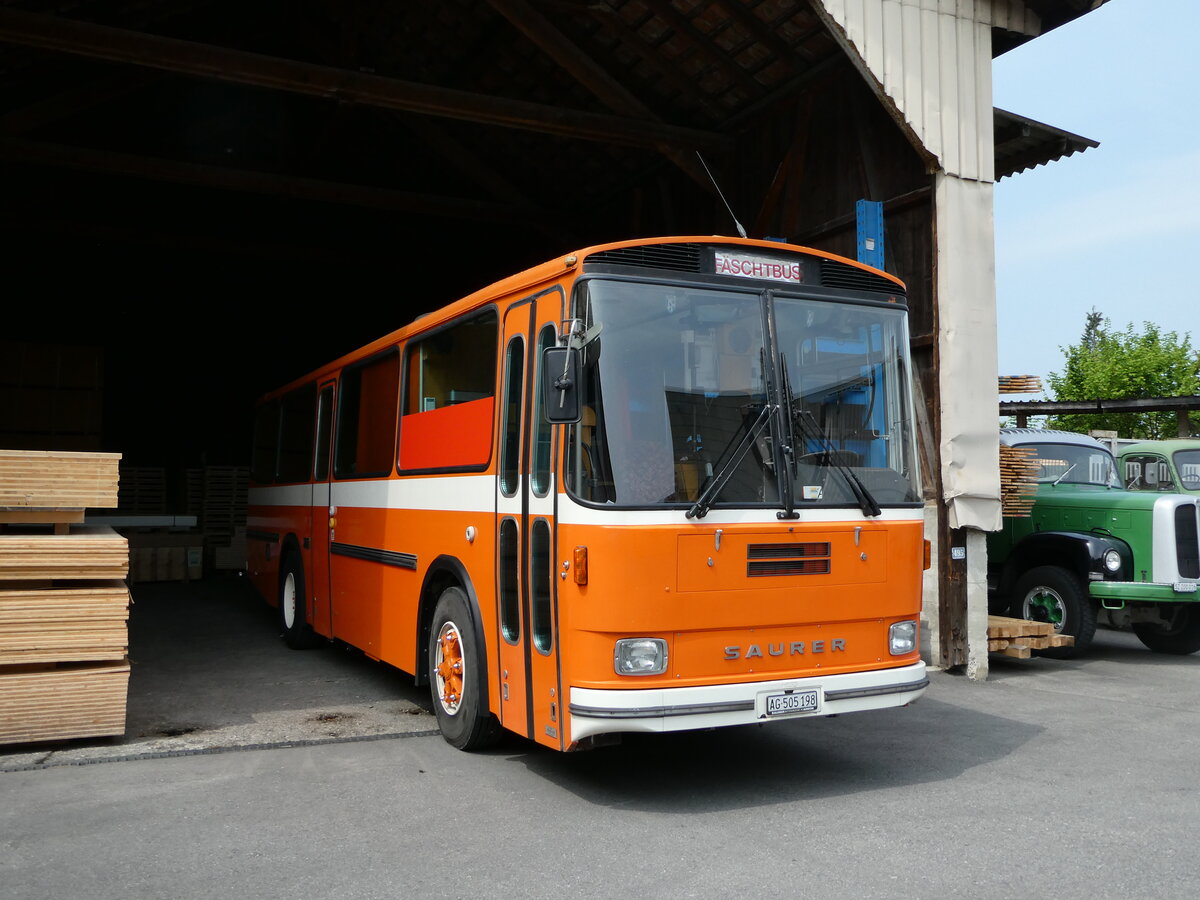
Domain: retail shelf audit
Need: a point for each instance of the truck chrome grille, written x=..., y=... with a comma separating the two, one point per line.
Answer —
x=1187, y=540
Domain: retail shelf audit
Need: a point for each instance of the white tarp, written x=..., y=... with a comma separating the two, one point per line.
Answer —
x=967, y=364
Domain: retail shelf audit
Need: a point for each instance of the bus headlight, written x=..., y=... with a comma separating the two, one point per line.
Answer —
x=902, y=638
x=1112, y=561
x=640, y=656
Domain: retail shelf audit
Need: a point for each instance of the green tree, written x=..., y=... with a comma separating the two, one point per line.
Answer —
x=1128, y=364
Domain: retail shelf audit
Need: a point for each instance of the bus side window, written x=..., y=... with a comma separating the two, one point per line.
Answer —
x=266, y=443
x=296, y=434
x=324, y=428
x=450, y=390
x=366, y=427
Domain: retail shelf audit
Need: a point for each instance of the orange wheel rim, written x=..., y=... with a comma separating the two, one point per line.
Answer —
x=448, y=668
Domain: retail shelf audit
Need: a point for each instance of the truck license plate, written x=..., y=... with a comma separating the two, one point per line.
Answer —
x=793, y=702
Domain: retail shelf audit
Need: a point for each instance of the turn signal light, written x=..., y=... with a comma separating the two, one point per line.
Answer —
x=580, y=565
x=928, y=555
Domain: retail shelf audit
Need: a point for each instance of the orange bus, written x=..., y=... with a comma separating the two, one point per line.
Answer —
x=647, y=486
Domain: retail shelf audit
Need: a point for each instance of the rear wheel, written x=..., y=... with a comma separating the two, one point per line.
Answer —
x=1180, y=637
x=457, y=679
x=297, y=633
x=1054, y=595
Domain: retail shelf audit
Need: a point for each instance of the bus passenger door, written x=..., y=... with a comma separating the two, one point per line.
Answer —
x=530, y=701
x=320, y=609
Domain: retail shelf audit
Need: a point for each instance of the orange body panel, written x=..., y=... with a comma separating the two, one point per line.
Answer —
x=637, y=587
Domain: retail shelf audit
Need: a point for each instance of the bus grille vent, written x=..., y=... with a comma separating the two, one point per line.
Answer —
x=839, y=275
x=1187, y=540
x=678, y=257
x=787, y=559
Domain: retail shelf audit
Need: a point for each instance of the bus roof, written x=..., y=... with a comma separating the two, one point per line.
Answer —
x=541, y=274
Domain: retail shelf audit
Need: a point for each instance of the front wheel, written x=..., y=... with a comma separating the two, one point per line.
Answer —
x=1054, y=595
x=457, y=679
x=1180, y=637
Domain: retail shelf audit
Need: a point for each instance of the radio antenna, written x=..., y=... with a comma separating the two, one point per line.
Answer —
x=741, y=230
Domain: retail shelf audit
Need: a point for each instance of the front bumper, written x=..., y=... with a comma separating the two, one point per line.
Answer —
x=1121, y=592
x=596, y=712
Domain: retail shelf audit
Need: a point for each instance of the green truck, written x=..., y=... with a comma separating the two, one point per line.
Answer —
x=1172, y=465
x=1094, y=552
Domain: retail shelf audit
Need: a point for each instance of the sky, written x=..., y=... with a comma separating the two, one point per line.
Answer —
x=1115, y=228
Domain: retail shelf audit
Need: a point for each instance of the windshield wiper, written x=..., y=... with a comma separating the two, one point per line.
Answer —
x=1070, y=469
x=724, y=471
x=865, y=501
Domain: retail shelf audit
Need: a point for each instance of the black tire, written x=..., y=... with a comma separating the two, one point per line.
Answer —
x=457, y=680
x=293, y=618
x=1180, y=638
x=1051, y=594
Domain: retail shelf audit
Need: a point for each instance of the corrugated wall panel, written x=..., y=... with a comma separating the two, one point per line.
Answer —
x=933, y=61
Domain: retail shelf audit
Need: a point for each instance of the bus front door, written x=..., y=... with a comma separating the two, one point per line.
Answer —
x=530, y=701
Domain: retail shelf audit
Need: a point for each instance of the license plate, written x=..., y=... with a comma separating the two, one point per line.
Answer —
x=1184, y=587
x=793, y=702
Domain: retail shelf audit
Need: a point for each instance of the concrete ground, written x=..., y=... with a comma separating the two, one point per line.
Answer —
x=263, y=772
x=209, y=671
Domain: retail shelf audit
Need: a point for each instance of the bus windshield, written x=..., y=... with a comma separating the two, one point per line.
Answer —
x=676, y=383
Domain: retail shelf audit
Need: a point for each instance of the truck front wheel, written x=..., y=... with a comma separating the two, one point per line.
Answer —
x=1054, y=595
x=1180, y=637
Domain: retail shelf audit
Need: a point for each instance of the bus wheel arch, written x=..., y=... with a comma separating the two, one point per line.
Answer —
x=291, y=598
x=443, y=573
x=457, y=662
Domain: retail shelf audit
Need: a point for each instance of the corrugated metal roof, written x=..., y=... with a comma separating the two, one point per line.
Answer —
x=1022, y=143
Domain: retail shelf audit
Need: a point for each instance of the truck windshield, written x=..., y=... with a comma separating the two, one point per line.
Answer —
x=675, y=382
x=1074, y=464
x=1187, y=464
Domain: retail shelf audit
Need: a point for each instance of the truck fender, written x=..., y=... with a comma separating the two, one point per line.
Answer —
x=1080, y=552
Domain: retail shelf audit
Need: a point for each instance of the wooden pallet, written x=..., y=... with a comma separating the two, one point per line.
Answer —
x=60, y=702
x=58, y=479
x=1018, y=638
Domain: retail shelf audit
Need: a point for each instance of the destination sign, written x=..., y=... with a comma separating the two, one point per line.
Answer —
x=747, y=265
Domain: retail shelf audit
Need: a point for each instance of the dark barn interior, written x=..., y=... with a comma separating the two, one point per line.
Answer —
x=203, y=199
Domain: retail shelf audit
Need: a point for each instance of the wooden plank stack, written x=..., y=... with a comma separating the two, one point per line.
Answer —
x=1019, y=470
x=64, y=607
x=1020, y=384
x=1020, y=637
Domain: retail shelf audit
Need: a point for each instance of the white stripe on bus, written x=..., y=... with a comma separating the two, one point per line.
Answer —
x=476, y=493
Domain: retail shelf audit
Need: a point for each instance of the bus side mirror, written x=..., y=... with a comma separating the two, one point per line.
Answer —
x=560, y=385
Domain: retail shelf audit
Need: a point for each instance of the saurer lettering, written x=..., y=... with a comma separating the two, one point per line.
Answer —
x=783, y=648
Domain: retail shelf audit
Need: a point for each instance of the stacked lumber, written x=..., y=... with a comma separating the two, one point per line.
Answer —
x=77, y=624
x=63, y=603
x=1020, y=384
x=1020, y=637
x=1019, y=470
x=86, y=552
x=55, y=487
x=52, y=703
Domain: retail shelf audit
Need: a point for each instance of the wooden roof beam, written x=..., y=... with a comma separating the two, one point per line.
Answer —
x=551, y=41
x=154, y=169
x=241, y=67
x=85, y=95
x=707, y=47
